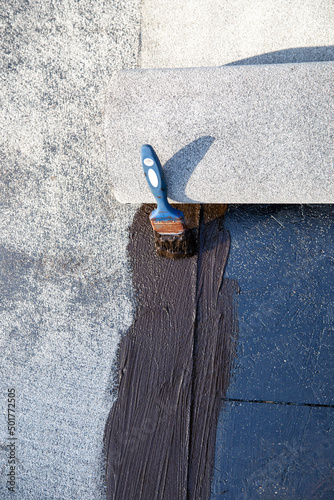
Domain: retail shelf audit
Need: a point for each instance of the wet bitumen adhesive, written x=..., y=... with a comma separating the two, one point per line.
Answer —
x=174, y=365
x=188, y=351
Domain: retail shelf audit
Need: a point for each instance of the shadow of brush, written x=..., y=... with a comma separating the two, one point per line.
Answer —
x=181, y=166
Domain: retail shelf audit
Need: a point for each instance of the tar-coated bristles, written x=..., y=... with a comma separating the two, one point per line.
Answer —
x=175, y=246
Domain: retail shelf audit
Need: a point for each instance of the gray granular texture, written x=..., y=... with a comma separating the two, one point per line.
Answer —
x=64, y=277
x=229, y=134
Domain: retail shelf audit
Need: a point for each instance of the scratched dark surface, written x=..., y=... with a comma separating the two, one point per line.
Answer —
x=282, y=259
x=267, y=451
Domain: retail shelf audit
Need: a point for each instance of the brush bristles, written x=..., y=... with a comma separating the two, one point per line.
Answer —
x=175, y=246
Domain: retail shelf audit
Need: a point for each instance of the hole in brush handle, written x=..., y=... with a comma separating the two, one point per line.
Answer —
x=153, y=178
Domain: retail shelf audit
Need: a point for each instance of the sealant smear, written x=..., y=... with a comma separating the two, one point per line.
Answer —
x=172, y=375
x=214, y=347
x=147, y=432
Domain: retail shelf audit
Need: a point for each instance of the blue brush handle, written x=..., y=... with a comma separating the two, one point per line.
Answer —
x=156, y=181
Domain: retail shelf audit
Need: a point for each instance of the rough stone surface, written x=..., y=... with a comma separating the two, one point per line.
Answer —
x=231, y=134
x=64, y=277
x=211, y=33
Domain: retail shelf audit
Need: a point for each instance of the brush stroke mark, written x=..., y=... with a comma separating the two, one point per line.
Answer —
x=174, y=366
x=147, y=432
x=214, y=347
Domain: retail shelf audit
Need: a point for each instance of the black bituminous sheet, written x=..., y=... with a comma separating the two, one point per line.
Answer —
x=275, y=433
x=174, y=366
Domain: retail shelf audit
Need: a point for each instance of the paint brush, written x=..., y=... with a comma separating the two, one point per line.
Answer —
x=172, y=238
